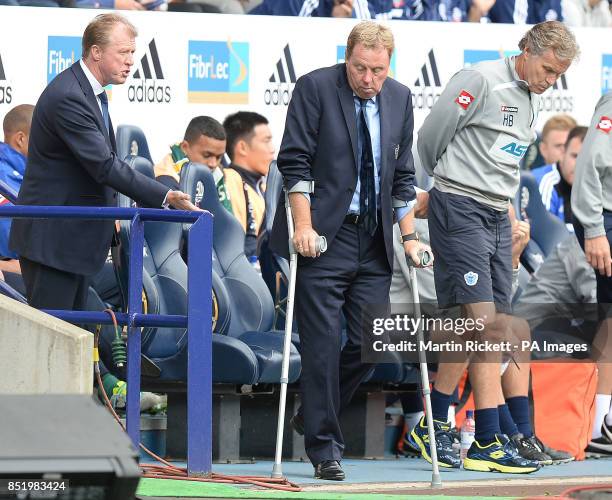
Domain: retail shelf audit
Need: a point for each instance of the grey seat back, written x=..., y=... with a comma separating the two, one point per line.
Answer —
x=251, y=304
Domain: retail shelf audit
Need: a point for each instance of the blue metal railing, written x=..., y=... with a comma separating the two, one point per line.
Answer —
x=198, y=320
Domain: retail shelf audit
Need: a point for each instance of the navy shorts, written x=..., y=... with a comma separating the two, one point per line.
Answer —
x=472, y=246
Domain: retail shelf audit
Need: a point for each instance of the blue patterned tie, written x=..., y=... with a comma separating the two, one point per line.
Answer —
x=104, y=100
x=367, y=195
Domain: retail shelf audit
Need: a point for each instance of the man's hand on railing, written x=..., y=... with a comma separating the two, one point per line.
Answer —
x=181, y=201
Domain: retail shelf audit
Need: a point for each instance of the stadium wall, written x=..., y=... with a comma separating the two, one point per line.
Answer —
x=40, y=354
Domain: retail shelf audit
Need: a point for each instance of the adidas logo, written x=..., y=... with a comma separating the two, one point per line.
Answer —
x=428, y=84
x=429, y=73
x=146, y=67
x=149, y=72
x=281, y=81
x=284, y=68
x=559, y=100
x=6, y=91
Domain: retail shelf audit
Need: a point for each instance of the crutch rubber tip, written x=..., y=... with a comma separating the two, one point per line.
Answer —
x=436, y=482
x=277, y=471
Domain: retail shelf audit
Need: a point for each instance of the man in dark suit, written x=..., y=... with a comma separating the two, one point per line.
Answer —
x=72, y=161
x=346, y=161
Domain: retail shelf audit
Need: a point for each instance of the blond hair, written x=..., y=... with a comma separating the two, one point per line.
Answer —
x=98, y=31
x=370, y=34
x=551, y=35
x=558, y=122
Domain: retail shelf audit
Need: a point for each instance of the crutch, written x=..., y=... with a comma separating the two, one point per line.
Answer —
x=277, y=469
x=436, y=482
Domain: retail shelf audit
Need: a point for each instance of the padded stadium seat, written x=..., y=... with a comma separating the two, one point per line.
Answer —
x=547, y=231
x=131, y=141
x=251, y=306
x=106, y=286
x=270, y=262
x=165, y=290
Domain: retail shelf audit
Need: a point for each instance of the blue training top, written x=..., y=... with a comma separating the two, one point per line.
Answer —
x=12, y=168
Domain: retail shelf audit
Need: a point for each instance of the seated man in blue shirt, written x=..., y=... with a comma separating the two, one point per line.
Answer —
x=555, y=180
x=13, y=153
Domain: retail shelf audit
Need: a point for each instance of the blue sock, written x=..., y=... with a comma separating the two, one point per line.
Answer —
x=440, y=403
x=519, y=409
x=506, y=424
x=487, y=425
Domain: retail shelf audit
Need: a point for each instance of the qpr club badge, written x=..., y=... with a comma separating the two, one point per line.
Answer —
x=470, y=278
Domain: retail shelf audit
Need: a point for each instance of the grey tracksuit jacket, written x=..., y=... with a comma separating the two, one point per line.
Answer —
x=592, y=189
x=477, y=132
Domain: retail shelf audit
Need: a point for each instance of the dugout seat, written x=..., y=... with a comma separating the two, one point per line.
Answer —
x=131, y=141
x=274, y=268
x=165, y=292
x=250, y=303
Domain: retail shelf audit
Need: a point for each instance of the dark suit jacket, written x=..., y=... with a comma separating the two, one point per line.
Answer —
x=320, y=144
x=72, y=161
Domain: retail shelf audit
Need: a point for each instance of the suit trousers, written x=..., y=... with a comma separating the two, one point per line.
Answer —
x=353, y=272
x=50, y=288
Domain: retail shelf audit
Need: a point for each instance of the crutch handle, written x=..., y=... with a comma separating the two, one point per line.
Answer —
x=321, y=245
x=425, y=256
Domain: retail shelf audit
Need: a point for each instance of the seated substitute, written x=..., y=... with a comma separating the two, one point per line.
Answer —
x=13, y=156
x=204, y=142
x=251, y=150
x=555, y=180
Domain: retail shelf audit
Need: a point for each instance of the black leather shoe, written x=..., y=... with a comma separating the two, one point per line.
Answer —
x=297, y=422
x=330, y=470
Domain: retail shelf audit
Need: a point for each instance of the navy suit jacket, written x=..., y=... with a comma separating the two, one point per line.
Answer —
x=72, y=161
x=320, y=145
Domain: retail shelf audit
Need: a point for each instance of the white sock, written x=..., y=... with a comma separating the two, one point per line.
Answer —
x=451, y=415
x=412, y=419
x=602, y=407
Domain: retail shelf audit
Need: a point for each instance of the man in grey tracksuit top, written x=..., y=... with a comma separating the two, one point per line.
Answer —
x=478, y=132
x=592, y=196
x=472, y=143
x=592, y=209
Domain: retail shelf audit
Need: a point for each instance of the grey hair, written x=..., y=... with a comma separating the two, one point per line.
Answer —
x=551, y=35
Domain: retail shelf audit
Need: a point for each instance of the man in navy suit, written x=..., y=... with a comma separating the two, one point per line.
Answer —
x=346, y=161
x=72, y=161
